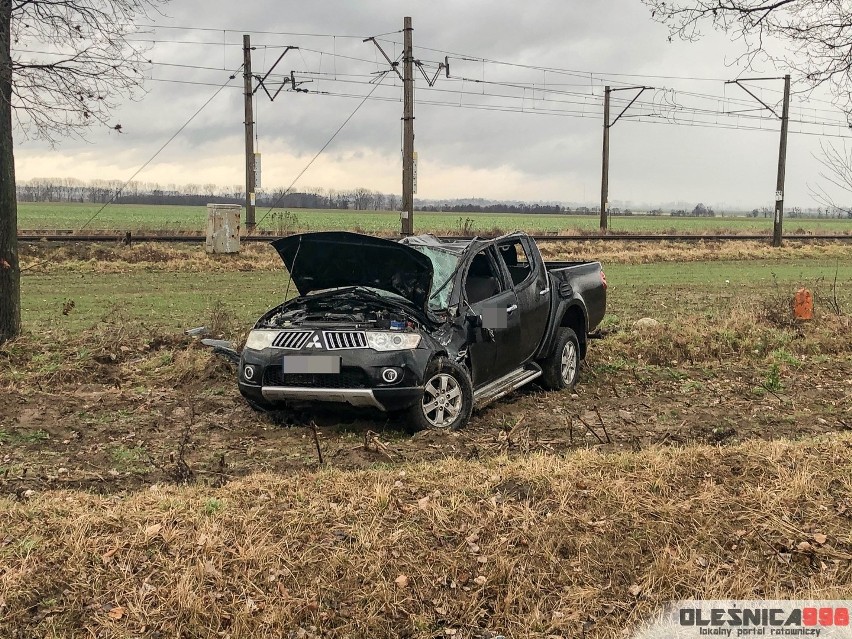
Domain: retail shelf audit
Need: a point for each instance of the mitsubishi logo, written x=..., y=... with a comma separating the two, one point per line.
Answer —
x=315, y=343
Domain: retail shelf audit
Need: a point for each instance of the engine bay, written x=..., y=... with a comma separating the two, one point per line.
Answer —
x=338, y=312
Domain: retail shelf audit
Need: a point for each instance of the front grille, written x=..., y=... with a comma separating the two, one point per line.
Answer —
x=347, y=378
x=293, y=340
x=340, y=340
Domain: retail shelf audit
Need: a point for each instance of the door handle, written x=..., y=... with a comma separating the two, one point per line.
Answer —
x=512, y=308
x=545, y=291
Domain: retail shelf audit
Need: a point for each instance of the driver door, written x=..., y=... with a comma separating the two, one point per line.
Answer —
x=493, y=301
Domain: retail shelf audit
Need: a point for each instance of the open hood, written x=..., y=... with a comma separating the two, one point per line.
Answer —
x=318, y=261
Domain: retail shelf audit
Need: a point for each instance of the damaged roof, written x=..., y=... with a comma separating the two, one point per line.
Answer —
x=456, y=246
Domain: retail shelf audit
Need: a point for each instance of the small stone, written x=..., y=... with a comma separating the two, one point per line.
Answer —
x=646, y=324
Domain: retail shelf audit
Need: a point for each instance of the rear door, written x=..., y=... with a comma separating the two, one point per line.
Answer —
x=489, y=295
x=526, y=270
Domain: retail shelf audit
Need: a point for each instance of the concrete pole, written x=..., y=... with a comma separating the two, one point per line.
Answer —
x=407, y=216
x=605, y=167
x=249, y=110
x=782, y=167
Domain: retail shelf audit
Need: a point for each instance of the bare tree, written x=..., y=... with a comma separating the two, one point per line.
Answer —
x=362, y=198
x=837, y=172
x=63, y=65
x=817, y=34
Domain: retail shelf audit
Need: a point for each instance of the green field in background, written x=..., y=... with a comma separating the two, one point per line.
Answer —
x=138, y=217
x=179, y=300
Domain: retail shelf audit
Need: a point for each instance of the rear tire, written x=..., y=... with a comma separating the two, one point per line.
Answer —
x=561, y=369
x=447, y=397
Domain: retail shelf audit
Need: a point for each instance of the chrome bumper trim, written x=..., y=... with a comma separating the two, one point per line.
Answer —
x=353, y=396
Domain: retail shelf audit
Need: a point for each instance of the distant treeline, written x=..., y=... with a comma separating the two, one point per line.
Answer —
x=101, y=191
x=536, y=209
x=359, y=199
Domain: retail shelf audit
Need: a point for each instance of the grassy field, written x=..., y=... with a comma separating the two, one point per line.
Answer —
x=140, y=496
x=176, y=300
x=141, y=217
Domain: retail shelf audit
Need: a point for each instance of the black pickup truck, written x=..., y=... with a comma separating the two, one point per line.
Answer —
x=428, y=327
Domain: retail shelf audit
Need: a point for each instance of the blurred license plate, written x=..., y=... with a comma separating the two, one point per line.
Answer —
x=300, y=364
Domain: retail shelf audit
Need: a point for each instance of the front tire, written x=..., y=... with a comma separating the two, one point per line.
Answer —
x=561, y=369
x=447, y=397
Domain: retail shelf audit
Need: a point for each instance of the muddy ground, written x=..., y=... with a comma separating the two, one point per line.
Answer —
x=109, y=438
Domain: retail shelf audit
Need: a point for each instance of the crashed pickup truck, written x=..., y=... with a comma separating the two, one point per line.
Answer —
x=421, y=326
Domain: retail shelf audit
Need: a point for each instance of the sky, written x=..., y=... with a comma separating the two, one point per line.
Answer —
x=502, y=126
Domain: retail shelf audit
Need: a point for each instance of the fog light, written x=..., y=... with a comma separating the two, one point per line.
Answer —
x=248, y=372
x=390, y=375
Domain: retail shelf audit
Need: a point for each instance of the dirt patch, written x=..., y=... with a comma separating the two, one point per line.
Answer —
x=119, y=435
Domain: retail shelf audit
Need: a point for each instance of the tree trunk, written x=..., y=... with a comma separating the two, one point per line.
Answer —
x=10, y=273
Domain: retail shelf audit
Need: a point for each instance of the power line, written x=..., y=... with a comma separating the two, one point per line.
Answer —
x=253, y=32
x=591, y=75
x=577, y=114
x=525, y=87
x=656, y=109
x=161, y=149
x=324, y=147
x=675, y=117
x=543, y=87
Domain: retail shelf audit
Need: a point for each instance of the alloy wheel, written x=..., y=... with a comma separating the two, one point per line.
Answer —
x=569, y=362
x=442, y=400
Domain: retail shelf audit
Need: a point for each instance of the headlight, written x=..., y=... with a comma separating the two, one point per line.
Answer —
x=258, y=340
x=384, y=341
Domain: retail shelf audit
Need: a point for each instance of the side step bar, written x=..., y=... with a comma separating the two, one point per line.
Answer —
x=505, y=385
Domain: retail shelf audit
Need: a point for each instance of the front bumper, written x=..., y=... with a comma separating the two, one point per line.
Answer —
x=359, y=383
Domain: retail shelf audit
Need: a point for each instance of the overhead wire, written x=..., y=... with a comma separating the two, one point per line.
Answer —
x=324, y=147
x=534, y=87
x=255, y=31
x=593, y=100
x=162, y=148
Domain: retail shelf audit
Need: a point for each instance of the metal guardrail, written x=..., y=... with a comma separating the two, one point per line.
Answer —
x=69, y=236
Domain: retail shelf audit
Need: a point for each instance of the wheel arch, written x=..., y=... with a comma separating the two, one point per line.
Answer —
x=575, y=318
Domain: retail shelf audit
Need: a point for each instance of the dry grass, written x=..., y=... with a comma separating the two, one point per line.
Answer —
x=115, y=258
x=615, y=252
x=752, y=331
x=536, y=547
x=114, y=351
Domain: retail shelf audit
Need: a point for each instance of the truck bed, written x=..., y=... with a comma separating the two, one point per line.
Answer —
x=585, y=279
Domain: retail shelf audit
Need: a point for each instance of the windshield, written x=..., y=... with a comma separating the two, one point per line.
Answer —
x=444, y=266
